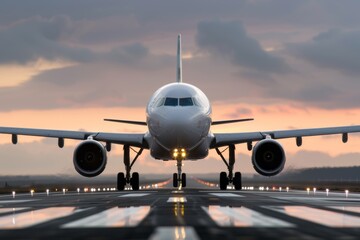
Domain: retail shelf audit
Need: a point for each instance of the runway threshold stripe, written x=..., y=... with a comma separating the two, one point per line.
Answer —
x=135, y=195
x=165, y=233
x=226, y=195
x=323, y=217
x=354, y=209
x=11, y=210
x=242, y=217
x=30, y=218
x=113, y=217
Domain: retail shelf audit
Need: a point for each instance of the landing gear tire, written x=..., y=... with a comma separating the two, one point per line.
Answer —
x=134, y=182
x=224, y=181
x=121, y=181
x=175, y=180
x=237, y=181
x=183, y=180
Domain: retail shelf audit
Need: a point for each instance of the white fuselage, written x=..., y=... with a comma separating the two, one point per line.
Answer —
x=179, y=117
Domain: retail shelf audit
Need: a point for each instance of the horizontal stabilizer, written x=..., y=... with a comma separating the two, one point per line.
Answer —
x=231, y=121
x=126, y=121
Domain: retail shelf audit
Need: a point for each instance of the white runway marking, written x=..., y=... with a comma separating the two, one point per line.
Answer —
x=135, y=195
x=226, y=195
x=242, y=217
x=347, y=208
x=181, y=233
x=177, y=199
x=21, y=220
x=113, y=217
x=324, y=217
x=16, y=201
x=8, y=210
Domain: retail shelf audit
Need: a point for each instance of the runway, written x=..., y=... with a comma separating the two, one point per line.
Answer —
x=194, y=213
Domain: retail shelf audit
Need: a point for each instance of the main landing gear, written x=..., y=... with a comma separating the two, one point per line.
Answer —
x=225, y=179
x=179, y=178
x=123, y=179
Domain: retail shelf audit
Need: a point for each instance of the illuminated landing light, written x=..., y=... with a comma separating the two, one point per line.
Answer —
x=346, y=193
x=78, y=190
x=47, y=192
x=314, y=190
x=32, y=191
x=175, y=153
x=99, y=189
x=327, y=192
x=267, y=188
x=308, y=191
x=64, y=191
x=280, y=188
x=86, y=189
x=287, y=189
x=13, y=194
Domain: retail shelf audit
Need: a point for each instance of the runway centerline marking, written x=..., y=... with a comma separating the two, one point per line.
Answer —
x=177, y=199
x=113, y=217
x=135, y=195
x=226, y=195
x=161, y=233
x=30, y=218
x=323, y=217
x=242, y=217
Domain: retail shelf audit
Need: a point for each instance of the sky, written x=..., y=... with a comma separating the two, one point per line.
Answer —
x=69, y=64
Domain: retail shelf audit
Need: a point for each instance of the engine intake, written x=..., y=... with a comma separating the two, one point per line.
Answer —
x=90, y=158
x=268, y=157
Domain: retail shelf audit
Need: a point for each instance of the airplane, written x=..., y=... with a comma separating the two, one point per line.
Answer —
x=178, y=118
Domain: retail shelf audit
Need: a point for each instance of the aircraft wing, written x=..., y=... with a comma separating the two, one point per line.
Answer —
x=133, y=139
x=223, y=139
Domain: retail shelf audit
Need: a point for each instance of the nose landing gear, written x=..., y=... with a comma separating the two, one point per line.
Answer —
x=179, y=178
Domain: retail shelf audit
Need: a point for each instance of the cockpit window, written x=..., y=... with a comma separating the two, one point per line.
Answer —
x=160, y=102
x=186, y=102
x=171, y=102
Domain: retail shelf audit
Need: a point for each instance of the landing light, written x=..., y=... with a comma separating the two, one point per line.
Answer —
x=179, y=153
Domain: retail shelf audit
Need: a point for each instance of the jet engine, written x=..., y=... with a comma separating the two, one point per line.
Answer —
x=268, y=157
x=90, y=158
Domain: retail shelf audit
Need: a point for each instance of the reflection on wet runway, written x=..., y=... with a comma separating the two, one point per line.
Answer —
x=242, y=217
x=26, y=219
x=174, y=233
x=324, y=217
x=113, y=217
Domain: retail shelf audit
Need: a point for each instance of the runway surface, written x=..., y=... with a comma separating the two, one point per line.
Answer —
x=194, y=213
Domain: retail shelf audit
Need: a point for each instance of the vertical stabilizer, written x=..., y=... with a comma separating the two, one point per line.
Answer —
x=179, y=61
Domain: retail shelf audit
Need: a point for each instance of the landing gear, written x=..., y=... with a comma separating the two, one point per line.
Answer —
x=225, y=179
x=123, y=179
x=179, y=178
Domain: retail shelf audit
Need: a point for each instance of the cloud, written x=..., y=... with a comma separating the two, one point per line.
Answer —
x=40, y=38
x=231, y=41
x=334, y=49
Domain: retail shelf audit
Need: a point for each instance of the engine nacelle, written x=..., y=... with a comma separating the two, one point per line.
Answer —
x=90, y=158
x=268, y=157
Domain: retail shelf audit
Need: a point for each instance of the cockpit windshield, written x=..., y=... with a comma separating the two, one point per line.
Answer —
x=171, y=102
x=186, y=102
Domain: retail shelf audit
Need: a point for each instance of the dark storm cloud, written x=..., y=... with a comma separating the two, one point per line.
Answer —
x=31, y=39
x=43, y=38
x=231, y=41
x=333, y=49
